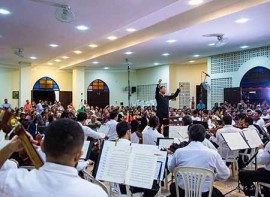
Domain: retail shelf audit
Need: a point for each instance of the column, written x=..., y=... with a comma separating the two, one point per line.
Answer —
x=78, y=87
x=24, y=82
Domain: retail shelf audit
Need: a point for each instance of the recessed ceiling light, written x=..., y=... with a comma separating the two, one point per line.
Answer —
x=54, y=45
x=93, y=45
x=211, y=44
x=82, y=27
x=65, y=57
x=50, y=63
x=165, y=54
x=128, y=52
x=244, y=47
x=57, y=60
x=77, y=52
x=242, y=20
x=130, y=29
x=4, y=11
x=195, y=2
x=33, y=57
x=191, y=61
x=156, y=63
x=106, y=68
x=112, y=38
x=196, y=55
x=95, y=62
x=171, y=41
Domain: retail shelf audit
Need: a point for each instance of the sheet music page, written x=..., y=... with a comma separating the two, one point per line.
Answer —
x=165, y=142
x=85, y=149
x=161, y=158
x=113, y=163
x=235, y=141
x=103, y=129
x=253, y=138
x=3, y=142
x=142, y=168
x=179, y=132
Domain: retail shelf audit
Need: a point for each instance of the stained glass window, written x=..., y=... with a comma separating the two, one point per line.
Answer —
x=98, y=86
x=46, y=84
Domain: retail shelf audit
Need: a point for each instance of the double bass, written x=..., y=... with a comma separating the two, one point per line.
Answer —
x=10, y=125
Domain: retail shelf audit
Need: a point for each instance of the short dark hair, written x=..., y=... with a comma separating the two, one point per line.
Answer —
x=227, y=120
x=63, y=137
x=134, y=125
x=81, y=116
x=197, y=133
x=249, y=120
x=153, y=122
x=161, y=87
x=258, y=111
x=113, y=114
x=187, y=120
x=122, y=128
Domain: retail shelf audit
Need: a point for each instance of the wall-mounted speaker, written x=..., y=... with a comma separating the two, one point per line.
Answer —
x=133, y=89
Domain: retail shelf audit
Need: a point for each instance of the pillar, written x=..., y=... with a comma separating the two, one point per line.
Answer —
x=24, y=82
x=78, y=87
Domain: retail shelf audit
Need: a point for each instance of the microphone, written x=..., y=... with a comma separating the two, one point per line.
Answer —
x=206, y=74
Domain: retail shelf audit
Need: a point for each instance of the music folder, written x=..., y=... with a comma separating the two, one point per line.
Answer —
x=87, y=147
x=164, y=142
x=179, y=132
x=135, y=165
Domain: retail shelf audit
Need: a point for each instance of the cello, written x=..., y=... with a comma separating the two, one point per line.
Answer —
x=11, y=126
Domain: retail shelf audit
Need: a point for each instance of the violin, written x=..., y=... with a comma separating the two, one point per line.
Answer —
x=11, y=126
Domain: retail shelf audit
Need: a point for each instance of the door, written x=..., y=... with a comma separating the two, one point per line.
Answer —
x=65, y=97
x=98, y=94
x=233, y=95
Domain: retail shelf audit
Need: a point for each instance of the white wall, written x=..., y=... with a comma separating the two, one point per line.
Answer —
x=116, y=81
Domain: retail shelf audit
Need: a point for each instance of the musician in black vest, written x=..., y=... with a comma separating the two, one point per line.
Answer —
x=163, y=104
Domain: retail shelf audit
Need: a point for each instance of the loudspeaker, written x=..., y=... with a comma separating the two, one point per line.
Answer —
x=133, y=89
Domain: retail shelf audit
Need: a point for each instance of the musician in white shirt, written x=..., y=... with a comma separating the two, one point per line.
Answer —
x=135, y=134
x=57, y=177
x=112, y=135
x=150, y=133
x=247, y=177
x=195, y=154
x=257, y=118
x=88, y=132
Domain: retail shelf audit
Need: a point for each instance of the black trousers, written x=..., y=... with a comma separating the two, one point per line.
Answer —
x=163, y=120
x=215, y=192
x=247, y=177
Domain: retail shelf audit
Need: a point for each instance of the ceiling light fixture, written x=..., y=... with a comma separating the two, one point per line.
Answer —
x=50, y=63
x=93, y=45
x=197, y=55
x=77, y=52
x=171, y=41
x=33, y=57
x=131, y=29
x=4, y=11
x=165, y=54
x=211, y=44
x=241, y=20
x=54, y=45
x=112, y=38
x=195, y=2
x=128, y=52
x=82, y=27
x=191, y=61
x=244, y=47
x=106, y=68
x=57, y=60
x=65, y=57
x=95, y=62
x=156, y=63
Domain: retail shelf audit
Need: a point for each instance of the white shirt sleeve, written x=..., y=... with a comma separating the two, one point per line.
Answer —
x=172, y=164
x=222, y=171
x=263, y=156
x=88, y=132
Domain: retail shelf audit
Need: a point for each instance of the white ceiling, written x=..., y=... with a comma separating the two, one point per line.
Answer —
x=33, y=27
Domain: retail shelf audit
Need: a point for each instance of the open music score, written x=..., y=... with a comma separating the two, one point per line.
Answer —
x=164, y=142
x=3, y=141
x=179, y=132
x=252, y=138
x=87, y=146
x=134, y=165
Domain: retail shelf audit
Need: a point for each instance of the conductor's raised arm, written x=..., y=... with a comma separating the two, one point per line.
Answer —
x=158, y=89
x=175, y=94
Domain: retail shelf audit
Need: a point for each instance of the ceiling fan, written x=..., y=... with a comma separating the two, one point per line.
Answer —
x=221, y=40
x=63, y=12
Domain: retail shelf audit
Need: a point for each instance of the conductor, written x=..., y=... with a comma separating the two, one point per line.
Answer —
x=163, y=104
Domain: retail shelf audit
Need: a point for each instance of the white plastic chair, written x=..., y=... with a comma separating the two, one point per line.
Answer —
x=91, y=179
x=194, y=179
x=258, y=187
x=248, y=155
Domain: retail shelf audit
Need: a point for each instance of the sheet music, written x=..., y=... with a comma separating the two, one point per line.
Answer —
x=252, y=137
x=103, y=129
x=161, y=159
x=113, y=163
x=180, y=132
x=85, y=148
x=165, y=142
x=3, y=142
x=142, y=167
x=235, y=141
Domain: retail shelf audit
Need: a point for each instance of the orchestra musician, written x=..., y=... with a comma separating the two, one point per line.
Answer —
x=208, y=158
x=247, y=177
x=163, y=103
x=150, y=133
x=57, y=177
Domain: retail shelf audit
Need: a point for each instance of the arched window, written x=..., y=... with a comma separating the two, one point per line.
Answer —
x=256, y=77
x=46, y=84
x=98, y=86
